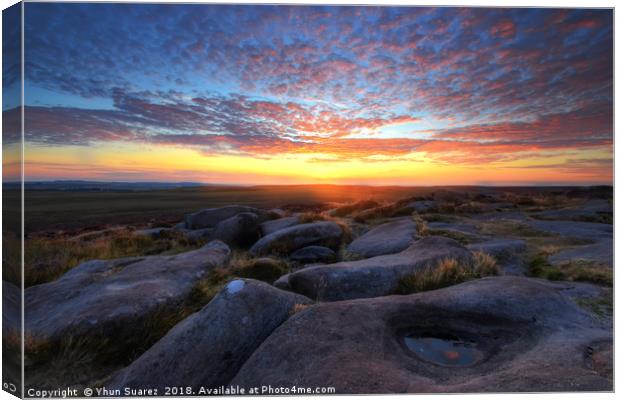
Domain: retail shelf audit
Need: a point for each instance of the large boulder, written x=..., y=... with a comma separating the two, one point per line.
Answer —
x=287, y=240
x=241, y=230
x=392, y=237
x=198, y=235
x=116, y=298
x=313, y=255
x=210, y=217
x=208, y=348
x=376, y=276
x=500, y=334
x=269, y=227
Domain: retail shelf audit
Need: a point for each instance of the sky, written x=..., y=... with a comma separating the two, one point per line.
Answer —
x=308, y=94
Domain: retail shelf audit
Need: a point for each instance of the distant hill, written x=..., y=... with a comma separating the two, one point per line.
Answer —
x=90, y=186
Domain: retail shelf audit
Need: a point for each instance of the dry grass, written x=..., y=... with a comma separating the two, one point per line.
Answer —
x=601, y=306
x=421, y=225
x=448, y=272
x=312, y=216
x=577, y=270
x=355, y=207
x=48, y=258
x=508, y=228
x=240, y=265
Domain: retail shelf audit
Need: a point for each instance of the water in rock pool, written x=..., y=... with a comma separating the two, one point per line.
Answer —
x=446, y=352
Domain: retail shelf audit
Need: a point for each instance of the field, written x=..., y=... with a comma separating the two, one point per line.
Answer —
x=53, y=210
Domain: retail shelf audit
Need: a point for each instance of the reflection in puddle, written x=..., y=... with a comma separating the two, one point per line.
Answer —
x=445, y=352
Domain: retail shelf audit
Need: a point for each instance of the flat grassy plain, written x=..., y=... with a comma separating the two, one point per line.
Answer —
x=55, y=210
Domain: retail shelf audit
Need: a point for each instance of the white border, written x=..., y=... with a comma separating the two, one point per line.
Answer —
x=479, y=3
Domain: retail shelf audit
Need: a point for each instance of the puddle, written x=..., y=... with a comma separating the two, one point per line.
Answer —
x=445, y=352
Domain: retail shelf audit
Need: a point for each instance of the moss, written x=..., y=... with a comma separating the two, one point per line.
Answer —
x=448, y=272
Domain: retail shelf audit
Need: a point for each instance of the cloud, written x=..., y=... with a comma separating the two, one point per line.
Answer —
x=495, y=84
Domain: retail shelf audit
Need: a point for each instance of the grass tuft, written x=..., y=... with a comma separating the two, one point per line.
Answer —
x=448, y=272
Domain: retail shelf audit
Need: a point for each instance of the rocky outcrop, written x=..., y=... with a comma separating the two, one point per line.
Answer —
x=389, y=238
x=313, y=255
x=269, y=227
x=115, y=298
x=241, y=230
x=376, y=276
x=501, y=334
x=210, y=217
x=287, y=240
x=209, y=347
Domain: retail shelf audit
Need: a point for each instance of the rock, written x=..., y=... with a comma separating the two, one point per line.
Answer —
x=313, y=255
x=392, y=237
x=509, y=253
x=601, y=252
x=269, y=227
x=501, y=334
x=282, y=283
x=115, y=298
x=464, y=228
x=422, y=206
x=592, y=210
x=210, y=217
x=198, y=235
x=241, y=230
x=581, y=230
x=180, y=226
x=154, y=233
x=376, y=276
x=209, y=347
x=266, y=269
x=287, y=240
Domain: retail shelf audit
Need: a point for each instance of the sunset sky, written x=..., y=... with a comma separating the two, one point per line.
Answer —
x=278, y=94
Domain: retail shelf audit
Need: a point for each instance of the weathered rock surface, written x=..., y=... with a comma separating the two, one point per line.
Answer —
x=282, y=282
x=591, y=210
x=287, y=240
x=269, y=227
x=241, y=230
x=392, y=237
x=582, y=230
x=422, y=206
x=210, y=217
x=501, y=334
x=600, y=252
x=376, y=276
x=209, y=347
x=115, y=298
x=198, y=235
x=509, y=253
x=313, y=255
